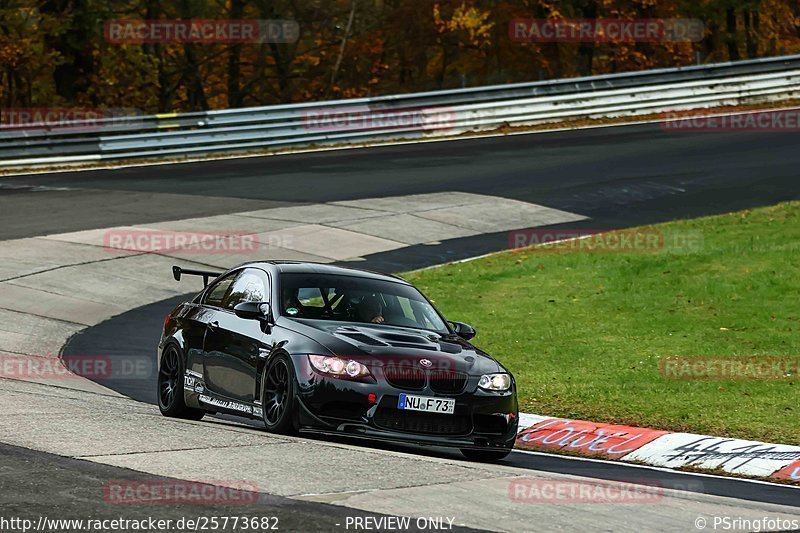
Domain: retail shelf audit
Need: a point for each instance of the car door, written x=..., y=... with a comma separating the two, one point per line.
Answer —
x=196, y=318
x=233, y=345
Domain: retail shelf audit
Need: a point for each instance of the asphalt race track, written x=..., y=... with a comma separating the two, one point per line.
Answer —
x=618, y=176
x=615, y=177
x=73, y=483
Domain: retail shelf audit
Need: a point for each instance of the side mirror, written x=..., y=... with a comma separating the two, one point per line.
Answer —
x=465, y=331
x=253, y=311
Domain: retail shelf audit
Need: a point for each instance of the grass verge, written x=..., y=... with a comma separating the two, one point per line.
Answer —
x=584, y=332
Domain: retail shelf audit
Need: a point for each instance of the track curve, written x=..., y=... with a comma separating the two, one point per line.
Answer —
x=618, y=176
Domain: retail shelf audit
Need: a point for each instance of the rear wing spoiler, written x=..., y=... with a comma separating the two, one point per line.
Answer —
x=178, y=271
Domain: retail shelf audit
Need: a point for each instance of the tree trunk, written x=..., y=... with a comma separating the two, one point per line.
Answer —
x=234, y=57
x=585, y=58
x=750, y=31
x=341, y=48
x=730, y=20
x=195, y=93
x=164, y=93
x=73, y=76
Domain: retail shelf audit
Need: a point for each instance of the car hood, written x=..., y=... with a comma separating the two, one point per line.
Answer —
x=383, y=345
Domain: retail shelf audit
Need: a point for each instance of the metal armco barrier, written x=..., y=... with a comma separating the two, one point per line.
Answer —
x=401, y=117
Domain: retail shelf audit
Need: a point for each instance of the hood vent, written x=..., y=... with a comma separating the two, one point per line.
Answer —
x=418, y=346
x=364, y=339
x=376, y=337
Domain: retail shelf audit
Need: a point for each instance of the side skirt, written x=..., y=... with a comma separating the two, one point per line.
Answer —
x=197, y=395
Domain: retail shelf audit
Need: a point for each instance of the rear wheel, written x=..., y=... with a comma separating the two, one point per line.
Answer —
x=485, y=456
x=277, y=395
x=170, y=387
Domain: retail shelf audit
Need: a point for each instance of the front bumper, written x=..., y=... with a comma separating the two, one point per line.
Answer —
x=332, y=406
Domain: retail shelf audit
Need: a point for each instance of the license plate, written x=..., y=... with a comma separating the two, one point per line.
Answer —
x=428, y=404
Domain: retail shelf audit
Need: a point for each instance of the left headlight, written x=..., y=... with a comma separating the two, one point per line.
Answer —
x=495, y=382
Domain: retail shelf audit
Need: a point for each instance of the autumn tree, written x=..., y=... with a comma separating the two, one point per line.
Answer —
x=55, y=53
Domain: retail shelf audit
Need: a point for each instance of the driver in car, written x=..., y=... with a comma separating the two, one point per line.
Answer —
x=370, y=310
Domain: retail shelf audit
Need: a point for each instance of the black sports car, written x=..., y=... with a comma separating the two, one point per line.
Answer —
x=316, y=348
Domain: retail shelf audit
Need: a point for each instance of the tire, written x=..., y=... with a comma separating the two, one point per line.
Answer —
x=278, y=396
x=485, y=456
x=170, y=386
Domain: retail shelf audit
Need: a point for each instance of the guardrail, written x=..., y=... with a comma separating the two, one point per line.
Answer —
x=410, y=116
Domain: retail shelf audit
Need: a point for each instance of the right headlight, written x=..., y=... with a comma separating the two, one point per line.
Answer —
x=495, y=382
x=338, y=367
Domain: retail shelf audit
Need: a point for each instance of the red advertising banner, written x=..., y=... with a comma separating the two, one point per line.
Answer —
x=791, y=472
x=607, y=440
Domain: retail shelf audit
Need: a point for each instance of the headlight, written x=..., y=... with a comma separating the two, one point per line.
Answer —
x=496, y=382
x=338, y=367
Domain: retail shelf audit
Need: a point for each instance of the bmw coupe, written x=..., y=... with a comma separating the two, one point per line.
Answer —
x=314, y=348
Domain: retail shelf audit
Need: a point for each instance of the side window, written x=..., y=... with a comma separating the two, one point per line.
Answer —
x=250, y=286
x=217, y=293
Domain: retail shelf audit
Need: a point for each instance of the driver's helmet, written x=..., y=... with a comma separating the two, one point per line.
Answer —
x=369, y=308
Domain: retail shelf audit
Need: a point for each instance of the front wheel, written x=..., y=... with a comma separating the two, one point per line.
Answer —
x=170, y=387
x=485, y=456
x=277, y=395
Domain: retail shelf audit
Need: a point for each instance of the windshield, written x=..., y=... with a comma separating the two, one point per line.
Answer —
x=357, y=299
